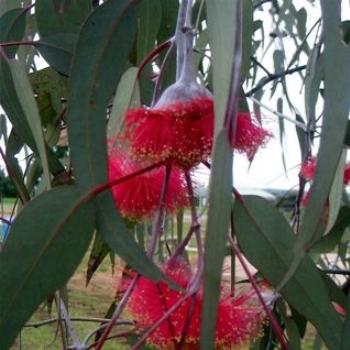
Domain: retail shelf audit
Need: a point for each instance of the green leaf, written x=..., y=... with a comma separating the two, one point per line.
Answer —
x=12, y=26
x=220, y=20
x=57, y=49
x=58, y=26
x=168, y=23
x=149, y=15
x=127, y=95
x=12, y=105
x=278, y=60
x=67, y=17
x=46, y=243
x=247, y=34
x=26, y=98
x=7, y=5
x=96, y=70
x=46, y=82
x=100, y=250
x=265, y=238
x=328, y=242
x=301, y=23
x=223, y=17
x=336, y=109
x=345, y=344
x=220, y=205
x=336, y=192
x=314, y=76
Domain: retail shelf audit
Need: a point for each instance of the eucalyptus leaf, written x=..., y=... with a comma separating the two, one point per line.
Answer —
x=96, y=70
x=50, y=249
x=265, y=238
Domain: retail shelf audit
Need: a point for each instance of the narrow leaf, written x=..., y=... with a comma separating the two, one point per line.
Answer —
x=265, y=238
x=127, y=95
x=96, y=70
x=12, y=26
x=49, y=249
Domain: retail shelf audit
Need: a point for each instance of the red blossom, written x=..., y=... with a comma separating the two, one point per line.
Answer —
x=307, y=171
x=183, y=132
x=239, y=319
x=139, y=197
x=249, y=135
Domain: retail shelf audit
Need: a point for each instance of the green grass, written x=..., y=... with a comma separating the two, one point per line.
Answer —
x=93, y=301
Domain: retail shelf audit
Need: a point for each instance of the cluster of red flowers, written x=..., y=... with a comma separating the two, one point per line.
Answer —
x=179, y=133
x=240, y=318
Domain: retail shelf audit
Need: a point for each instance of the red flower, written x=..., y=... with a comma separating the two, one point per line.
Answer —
x=139, y=197
x=239, y=319
x=182, y=132
x=249, y=135
x=307, y=171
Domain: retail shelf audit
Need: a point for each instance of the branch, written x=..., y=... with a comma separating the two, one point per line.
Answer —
x=272, y=77
x=39, y=324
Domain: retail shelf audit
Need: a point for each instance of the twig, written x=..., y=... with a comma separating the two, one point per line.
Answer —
x=260, y=65
x=159, y=80
x=68, y=323
x=155, y=52
x=278, y=114
x=275, y=325
x=117, y=312
x=272, y=77
x=16, y=43
x=336, y=272
x=158, y=220
x=74, y=319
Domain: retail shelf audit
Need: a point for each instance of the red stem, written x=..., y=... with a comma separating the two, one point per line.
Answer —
x=117, y=312
x=157, y=223
x=118, y=335
x=100, y=188
x=16, y=43
x=275, y=325
x=153, y=54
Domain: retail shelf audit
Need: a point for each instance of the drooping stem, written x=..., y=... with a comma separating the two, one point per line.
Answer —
x=117, y=312
x=155, y=52
x=159, y=218
x=16, y=43
x=195, y=224
x=181, y=247
x=158, y=84
x=275, y=325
